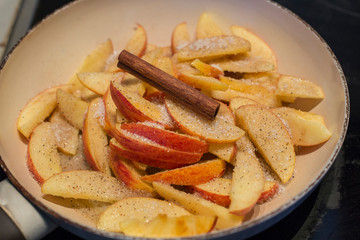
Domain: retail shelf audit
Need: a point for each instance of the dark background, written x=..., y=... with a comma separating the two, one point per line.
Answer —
x=332, y=211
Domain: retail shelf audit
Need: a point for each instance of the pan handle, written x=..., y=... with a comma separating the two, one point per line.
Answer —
x=30, y=222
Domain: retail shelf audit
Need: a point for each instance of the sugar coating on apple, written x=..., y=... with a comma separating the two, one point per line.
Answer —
x=142, y=208
x=216, y=131
x=179, y=37
x=90, y=185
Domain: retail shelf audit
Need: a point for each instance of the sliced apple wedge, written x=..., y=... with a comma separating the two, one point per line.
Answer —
x=202, y=82
x=141, y=158
x=198, y=205
x=163, y=226
x=206, y=69
x=259, y=48
x=290, y=87
x=91, y=185
x=190, y=175
x=138, y=42
x=43, y=158
x=247, y=181
x=98, y=82
x=180, y=37
x=141, y=208
x=305, y=128
x=217, y=191
x=207, y=27
x=167, y=138
x=136, y=108
x=218, y=130
x=224, y=151
x=66, y=135
x=237, y=102
x=95, y=139
x=125, y=171
x=112, y=116
x=213, y=47
x=270, y=189
x=269, y=135
x=243, y=64
x=146, y=147
x=37, y=110
x=72, y=108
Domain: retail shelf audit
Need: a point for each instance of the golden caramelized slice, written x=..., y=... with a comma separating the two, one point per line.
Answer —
x=259, y=48
x=84, y=184
x=224, y=151
x=37, y=110
x=247, y=181
x=138, y=42
x=305, y=128
x=72, y=108
x=237, y=102
x=97, y=82
x=202, y=82
x=190, y=175
x=95, y=140
x=217, y=131
x=269, y=135
x=213, y=47
x=66, y=136
x=180, y=37
x=163, y=226
x=206, y=69
x=207, y=27
x=290, y=88
x=43, y=157
x=142, y=208
x=198, y=205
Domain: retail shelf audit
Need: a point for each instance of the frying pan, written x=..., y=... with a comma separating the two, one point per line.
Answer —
x=51, y=52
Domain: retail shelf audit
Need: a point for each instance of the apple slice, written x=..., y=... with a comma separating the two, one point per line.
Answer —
x=190, y=175
x=198, y=205
x=163, y=226
x=94, y=62
x=243, y=64
x=37, y=110
x=72, y=108
x=213, y=47
x=259, y=48
x=305, y=128
x=138, y=42
x=207, y=27
x=202, y=82
x=145, y=159
x=91, y=185
x=217, y=191
x=66, y=136
x=206, y=69
x=290, y=87
x=98, y=82
x=112, y=116
x=237, y=102
x=180, y=37
x=43, y=158
x=146, y=147
x=247, y=181
x=270, y=137
x=142, y=208
x=224, y=151
x=136, y=108
x=167, y=138
x=125, y=171
x=218, y=130
x=95, y=139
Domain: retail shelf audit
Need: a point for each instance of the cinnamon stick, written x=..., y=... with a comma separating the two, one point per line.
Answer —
x=168, y=84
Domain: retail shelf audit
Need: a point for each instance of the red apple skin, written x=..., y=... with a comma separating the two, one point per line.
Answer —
x=135, y=156
x=222, y=200
x=154, y=150
x=267, y=194
x=167, y=138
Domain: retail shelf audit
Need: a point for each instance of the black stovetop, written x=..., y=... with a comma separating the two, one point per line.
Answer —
x=332, y=211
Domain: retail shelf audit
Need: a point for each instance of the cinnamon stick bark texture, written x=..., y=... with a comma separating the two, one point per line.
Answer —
x=168, y=84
